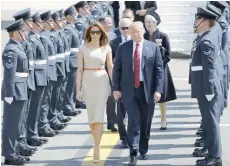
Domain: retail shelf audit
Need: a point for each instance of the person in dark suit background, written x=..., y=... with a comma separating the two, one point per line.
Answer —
x=138, y=77
x=127, y=13
x=141, y=8
x=162, y=40
x=124, y=24
x=116, y=6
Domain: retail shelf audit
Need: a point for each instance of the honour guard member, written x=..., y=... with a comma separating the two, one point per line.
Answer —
x=62, y=44
x=225, y=45
x=44, y=129
x=216, y=32
x=74, y=42
x=206, y=86
x=14, y=92
x=54, y=123
x=40, y=78
x=28, y=25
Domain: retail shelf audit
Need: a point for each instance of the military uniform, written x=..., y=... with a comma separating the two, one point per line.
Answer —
x=24, y=148
x=225, y=47
x=206, y=87
x=74, y=42
x=14, y=94
x=50, y=38
x=61, y=73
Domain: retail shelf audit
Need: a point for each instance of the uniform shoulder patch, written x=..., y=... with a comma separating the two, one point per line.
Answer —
x=8, y=59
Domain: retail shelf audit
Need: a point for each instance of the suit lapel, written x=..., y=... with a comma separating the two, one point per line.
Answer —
x=130, y=54
x=144, y=53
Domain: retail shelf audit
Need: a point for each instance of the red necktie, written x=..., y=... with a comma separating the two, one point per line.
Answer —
x=137, y=67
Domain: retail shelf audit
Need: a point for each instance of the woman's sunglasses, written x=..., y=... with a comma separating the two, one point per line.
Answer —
x=95, y=32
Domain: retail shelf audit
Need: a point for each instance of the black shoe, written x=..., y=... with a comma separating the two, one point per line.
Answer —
x=25, y=158
x=47, y=133
x=14, y=160
x=200, y=133
x=112, y=128
x=164, y=128
x=132, y=160
x=34, y=142
x=44, y=140
x=199, y=143
x=210, y=161
x=124, y=144
x=200, y=152
x=65, y=119
x=143, y=156
x=199, y=139
x=58, y=126
x=31, y=148
x=26, y=152
x=70, y=113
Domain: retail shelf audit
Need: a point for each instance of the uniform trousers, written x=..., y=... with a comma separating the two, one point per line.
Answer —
x=43, y=123
x=69, y=102
x=12, y=126
x=210, y=113
x=34, y=112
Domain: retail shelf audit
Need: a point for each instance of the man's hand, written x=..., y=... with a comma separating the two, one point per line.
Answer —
x=157, y=97
x=9, y=100
x=141, y=12
x=117, y=95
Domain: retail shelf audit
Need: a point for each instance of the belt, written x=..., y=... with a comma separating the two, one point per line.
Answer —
x=40, y=62
x=74, y=50
x=52, y=57
x=31, y=62
x=94, y=68
x=67, y=53
x=19, y=74
x=61, y=55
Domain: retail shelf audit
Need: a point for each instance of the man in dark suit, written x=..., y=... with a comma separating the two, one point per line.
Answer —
x=141, y=8
x=124, y=24
x=138, y=77
x=127, y=13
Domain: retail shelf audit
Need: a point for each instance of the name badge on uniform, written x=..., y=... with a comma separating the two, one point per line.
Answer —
x=159, y=42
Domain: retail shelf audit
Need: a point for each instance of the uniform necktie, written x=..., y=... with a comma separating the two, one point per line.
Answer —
x=137, y=67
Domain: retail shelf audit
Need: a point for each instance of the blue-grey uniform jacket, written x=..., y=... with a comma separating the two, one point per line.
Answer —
x=51, y=53
x=204, y=77
x=29, y=53
x=60, y=52
x=40, y=59
x=16, y=71
x=66, y=48
x=74, y=42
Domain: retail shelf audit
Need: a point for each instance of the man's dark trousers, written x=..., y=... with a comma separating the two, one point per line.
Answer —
x=140, y=116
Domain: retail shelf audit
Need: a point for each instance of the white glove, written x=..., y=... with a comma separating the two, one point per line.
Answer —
x=9, y=100
x=209, y=97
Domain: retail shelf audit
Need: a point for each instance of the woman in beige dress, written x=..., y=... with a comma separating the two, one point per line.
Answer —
x=94, y=80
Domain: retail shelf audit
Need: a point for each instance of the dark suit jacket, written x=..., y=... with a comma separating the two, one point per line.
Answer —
x=151, y=66
x=114, y=44
x=135, y=5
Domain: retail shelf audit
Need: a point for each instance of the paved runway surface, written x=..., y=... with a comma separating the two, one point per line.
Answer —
x=173, y=147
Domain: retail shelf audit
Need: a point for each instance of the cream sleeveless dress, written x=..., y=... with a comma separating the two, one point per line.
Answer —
x=95, y=83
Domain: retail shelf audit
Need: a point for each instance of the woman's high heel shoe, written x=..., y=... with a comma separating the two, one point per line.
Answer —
x=163, y=127
x=96, y=158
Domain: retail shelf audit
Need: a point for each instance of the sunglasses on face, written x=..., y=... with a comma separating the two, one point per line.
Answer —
x=124, y=28
x=95, y=32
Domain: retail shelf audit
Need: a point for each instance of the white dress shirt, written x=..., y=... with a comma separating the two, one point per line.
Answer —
x=142, y=4
x=123, y=39
x=140, y=53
